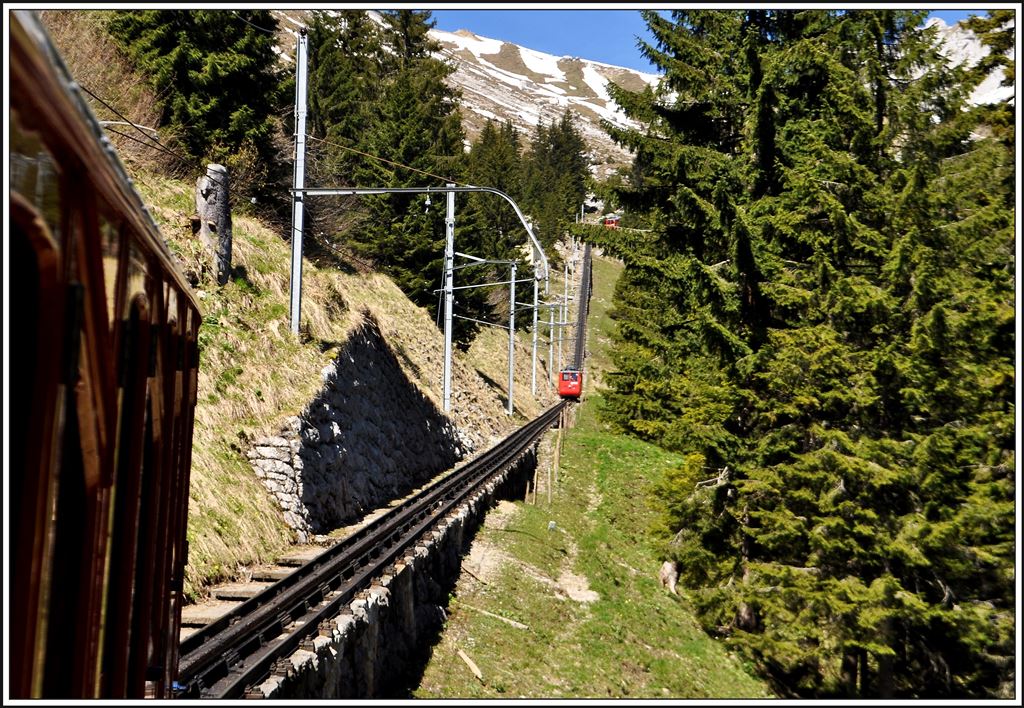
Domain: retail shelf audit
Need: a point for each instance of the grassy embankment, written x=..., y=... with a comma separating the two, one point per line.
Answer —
x=597, y=622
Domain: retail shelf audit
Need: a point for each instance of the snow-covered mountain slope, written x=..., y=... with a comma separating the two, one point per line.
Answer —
x=502, y=80
x=962, y=46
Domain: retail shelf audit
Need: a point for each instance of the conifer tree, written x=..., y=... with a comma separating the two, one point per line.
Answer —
x=797, y=323
x=345, y=68
x=494, y=160
x=416, y=136
x=554, y=180
x=382, y=115
x=216, y=73
x=344, y=74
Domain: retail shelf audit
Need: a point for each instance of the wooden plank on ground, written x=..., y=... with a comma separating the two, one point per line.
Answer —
x=472, y=666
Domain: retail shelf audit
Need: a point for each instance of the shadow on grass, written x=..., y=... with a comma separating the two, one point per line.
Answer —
x=437, y=584
x=499, y=389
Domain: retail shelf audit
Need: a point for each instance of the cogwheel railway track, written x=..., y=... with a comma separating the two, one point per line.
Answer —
x=239, y=650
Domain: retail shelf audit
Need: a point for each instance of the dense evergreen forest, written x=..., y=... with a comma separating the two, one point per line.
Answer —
x=818, y=308
x=820, y=315
x=206, y=67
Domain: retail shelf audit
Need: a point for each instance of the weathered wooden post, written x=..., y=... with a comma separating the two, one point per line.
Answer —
x=214, y=212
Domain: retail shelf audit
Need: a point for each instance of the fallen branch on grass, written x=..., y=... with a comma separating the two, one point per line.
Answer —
x=474, y=575
x=506, y=620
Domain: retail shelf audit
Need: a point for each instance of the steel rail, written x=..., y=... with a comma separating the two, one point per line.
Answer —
x=584, y=309
x=191, y=645
x=240, y=649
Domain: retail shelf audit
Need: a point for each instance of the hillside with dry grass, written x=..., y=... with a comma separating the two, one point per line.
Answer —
x=254, y=373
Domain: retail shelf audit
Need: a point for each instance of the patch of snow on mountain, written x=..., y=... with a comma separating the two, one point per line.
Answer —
x=531, y=117
x=464, y=39
x=541, y=63
x=961, y=46
x=509, y=77
x=487, y=114
x=291, y=19
x=648, y=78
x=282, y=54
x=595, y=81
x=377, y=18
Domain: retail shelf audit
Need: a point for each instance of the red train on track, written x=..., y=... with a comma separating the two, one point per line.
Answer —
x=103, y=375
x=570, y=383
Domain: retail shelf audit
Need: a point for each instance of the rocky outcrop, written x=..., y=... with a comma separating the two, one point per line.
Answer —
x=368, y=437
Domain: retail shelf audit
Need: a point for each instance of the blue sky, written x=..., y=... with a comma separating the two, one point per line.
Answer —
x=609, y=36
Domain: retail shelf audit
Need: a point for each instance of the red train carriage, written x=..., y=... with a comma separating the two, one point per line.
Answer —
x=570, y=383
x=103, y=373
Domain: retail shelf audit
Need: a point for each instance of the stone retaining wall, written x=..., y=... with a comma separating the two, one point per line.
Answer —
x=378, y=645
x=368, y=437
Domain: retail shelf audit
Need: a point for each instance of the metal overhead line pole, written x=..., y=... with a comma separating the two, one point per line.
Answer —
x=513, y=267
x=561, y=332
x=357, y=191
x=565, y=311
x=551, y=336
x=300, y=192
x=511, y=331
x=299, y=180
x=449, y=262
x=533, y=374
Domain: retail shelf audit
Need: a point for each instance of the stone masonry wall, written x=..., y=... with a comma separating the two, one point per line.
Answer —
x=368, y=437
x=379, y=643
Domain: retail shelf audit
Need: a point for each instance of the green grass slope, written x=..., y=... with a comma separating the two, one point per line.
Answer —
x=592, y=620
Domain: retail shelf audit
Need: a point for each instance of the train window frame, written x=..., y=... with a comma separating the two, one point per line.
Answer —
x=44, y=407
x=113, y=241
x=21, y=136
x=69, y=186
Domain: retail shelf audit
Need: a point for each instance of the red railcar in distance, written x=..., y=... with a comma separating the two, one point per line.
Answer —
x=570, y=383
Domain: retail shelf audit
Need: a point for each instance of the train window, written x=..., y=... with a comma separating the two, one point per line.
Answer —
x=33, y=173
x=110, y=239
x=170, y=302
x=135, y=277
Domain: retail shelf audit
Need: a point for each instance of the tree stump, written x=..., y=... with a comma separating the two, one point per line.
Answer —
x=214, y=213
